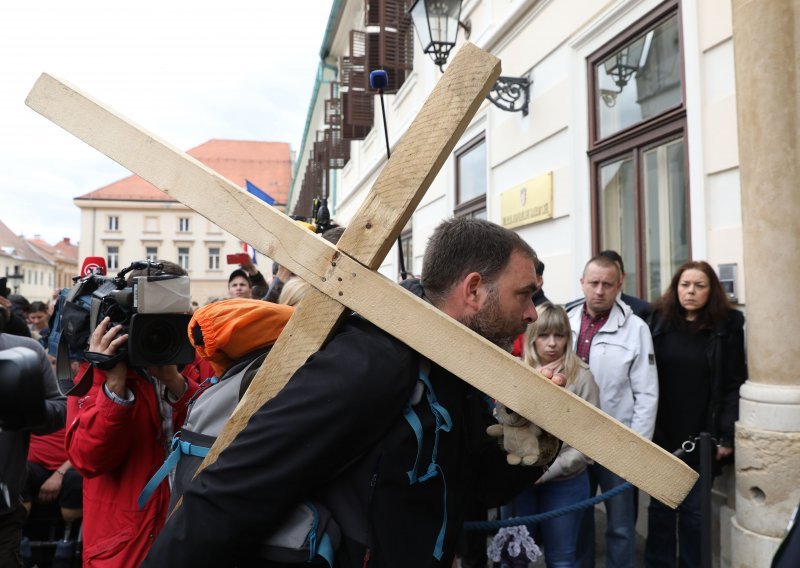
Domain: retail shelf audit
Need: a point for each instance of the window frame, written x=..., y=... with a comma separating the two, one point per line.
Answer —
x=181, y=256
x=406, y=241
x=476, y=204
x=214, y=266
x=181, y=223
x=115, y=264
x=113, y=223
x=636, y=139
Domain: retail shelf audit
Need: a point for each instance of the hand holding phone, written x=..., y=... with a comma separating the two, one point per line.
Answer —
x=239, y=258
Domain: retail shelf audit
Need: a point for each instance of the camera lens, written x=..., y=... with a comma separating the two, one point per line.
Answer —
x=159, y=339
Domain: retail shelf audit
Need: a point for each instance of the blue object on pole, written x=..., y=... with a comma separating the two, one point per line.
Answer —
x=263, y=196
x=378, y=79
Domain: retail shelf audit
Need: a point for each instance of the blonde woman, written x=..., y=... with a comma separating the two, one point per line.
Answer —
x=548, y=349
x=293, y=291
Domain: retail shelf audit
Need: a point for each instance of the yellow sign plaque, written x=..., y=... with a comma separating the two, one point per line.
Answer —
x=527, y=203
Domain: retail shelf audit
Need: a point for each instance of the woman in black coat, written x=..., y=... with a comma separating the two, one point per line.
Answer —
x=699, y=346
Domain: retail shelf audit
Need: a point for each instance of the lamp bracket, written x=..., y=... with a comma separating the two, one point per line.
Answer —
x=511, y=94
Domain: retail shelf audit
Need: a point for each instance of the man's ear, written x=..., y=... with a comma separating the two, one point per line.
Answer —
x=465, y=298
x=473, y=291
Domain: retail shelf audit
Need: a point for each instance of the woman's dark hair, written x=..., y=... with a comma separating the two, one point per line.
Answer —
x=37, y=307
x=715, y=310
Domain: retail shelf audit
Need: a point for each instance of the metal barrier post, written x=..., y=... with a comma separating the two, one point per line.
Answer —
x=707, y=449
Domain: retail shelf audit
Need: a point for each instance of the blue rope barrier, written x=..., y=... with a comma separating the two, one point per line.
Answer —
x=514, y=521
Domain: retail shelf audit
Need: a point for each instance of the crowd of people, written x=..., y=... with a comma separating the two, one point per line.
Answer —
x=394, y=445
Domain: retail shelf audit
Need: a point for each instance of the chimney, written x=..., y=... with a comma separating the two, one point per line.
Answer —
x=66, y=241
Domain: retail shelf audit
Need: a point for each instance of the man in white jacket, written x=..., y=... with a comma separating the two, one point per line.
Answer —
x=619, y=350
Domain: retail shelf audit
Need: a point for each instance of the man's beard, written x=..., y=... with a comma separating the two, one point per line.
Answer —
x=490, y=324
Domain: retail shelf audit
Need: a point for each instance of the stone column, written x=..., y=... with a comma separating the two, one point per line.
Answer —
x=766, y=37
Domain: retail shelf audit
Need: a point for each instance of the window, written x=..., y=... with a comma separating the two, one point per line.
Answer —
x=183, y=257
x=407, y=250
x=112, y=258
x=113, y=223
x=183, y=224
x=471, y=179
x=638, y=153
x=151, y=253
x=213, y=258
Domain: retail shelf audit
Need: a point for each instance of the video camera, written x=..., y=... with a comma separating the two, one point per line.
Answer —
x=21, y=389
x=154, y=310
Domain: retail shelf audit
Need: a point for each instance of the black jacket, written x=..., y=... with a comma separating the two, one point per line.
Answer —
x=343, y=412
x=14, y=443
x=726, y=359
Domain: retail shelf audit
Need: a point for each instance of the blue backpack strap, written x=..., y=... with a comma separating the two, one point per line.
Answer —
x=319, y=547
x=413, y=420
x=178, y=447
x=444, y=423
x=325, y=549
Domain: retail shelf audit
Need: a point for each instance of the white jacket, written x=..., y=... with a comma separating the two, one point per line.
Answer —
x=623, y=363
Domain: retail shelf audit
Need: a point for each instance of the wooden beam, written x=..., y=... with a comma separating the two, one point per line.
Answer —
x=398, y=190
x=381, y=301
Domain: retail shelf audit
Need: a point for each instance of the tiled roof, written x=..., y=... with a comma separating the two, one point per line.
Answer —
x=63, y=251
x=17, y=247
x=265, y=164
x=68, y=250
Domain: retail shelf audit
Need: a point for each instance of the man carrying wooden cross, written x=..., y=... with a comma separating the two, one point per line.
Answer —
x=340, y=430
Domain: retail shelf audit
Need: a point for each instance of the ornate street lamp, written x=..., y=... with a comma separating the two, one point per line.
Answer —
x=437, y=22
x=16, y=277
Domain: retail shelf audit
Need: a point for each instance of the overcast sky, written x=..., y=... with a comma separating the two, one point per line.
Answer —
x=186, y=71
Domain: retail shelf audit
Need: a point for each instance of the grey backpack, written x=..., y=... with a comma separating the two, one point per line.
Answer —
x=308, y=536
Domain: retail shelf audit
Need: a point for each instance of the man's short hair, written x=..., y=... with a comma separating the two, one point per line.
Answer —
x=19, y=303
x=615, y=256
x=462, y=245
x=239, y=272
x=539, y=267
x=605, y=262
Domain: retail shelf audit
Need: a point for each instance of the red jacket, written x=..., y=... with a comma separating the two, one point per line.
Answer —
x=117, y=448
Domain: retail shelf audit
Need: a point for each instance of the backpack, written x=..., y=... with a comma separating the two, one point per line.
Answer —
x=309, y=535
x=69, y=332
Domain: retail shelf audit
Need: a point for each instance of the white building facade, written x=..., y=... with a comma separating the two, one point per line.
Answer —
x=646, y=165
x=629, y=143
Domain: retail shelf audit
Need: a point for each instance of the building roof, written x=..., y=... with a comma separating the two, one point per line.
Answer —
x=268, y=165
x=68, y=249
x=19, y=248
x=63, y=250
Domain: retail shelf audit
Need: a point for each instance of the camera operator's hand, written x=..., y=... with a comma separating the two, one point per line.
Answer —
x=169, y=376
x=106, y=341
x=50, y=489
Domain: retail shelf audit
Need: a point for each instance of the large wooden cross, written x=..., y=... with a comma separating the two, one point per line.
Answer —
x=344, y=277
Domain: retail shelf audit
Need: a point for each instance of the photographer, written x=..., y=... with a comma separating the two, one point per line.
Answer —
x=14, y=447
x=119, y=435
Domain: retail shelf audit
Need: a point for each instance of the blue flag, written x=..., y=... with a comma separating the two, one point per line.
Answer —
x=252, y=189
